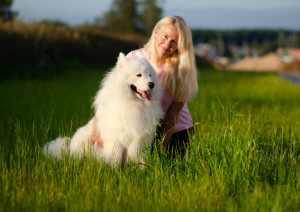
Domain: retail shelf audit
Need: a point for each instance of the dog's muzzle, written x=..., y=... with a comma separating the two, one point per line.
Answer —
x=143, y=94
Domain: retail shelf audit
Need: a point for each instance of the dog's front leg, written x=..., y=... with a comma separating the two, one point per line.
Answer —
x=114, y=154
x=136, y=154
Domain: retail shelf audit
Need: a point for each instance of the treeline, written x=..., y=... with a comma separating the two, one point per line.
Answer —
x=131, y=16
x=121, y=29
x=251, y=42
x=31, y=42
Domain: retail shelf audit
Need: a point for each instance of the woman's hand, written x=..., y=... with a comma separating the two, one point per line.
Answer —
x=96, y=134
x=170, y=121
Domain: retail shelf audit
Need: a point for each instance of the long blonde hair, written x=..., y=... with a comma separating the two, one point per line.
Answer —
x=180, y=75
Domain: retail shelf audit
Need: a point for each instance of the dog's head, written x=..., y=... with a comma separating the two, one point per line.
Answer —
x=140, y=76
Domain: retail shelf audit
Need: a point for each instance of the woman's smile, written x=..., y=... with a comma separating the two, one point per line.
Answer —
x=166, y=42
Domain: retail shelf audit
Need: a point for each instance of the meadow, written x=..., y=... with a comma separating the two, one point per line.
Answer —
x=244, y=155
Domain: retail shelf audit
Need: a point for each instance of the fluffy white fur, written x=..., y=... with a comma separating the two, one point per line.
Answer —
x=126, y=117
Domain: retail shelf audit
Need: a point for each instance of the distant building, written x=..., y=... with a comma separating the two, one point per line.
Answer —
x=295, y=53
x=292, y=53
x=291, y=59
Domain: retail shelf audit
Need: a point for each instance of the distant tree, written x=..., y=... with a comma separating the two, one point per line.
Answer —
x=5, y=13
x=247, y=42
x=122, y=16
x=5, y=4
x=150, y=15
x=131, y=16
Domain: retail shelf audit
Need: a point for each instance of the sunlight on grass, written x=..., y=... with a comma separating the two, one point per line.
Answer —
x=244, y=155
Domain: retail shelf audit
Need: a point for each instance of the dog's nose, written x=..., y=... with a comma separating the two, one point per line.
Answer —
x=151, y=84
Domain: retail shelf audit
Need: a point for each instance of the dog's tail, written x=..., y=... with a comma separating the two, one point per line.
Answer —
x=57, y=147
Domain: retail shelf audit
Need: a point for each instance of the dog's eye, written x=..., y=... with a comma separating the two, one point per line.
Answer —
x=149, y=75
x=139, y=75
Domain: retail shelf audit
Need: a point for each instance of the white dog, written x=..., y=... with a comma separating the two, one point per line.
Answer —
x=127, y=108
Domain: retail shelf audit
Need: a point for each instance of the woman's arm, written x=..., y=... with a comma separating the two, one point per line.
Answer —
x=168, y=126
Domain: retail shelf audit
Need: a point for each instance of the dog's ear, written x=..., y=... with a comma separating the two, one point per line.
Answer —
x=121, y=60
x=139, y=55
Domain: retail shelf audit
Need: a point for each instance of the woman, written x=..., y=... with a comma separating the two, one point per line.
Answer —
x=170, y=52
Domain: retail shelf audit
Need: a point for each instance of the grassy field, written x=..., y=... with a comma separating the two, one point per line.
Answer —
x=244, y=155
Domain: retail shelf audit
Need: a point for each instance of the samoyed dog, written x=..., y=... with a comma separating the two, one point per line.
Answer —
x=127, y=109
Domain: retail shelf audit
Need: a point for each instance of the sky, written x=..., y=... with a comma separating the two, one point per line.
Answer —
x=199, y=14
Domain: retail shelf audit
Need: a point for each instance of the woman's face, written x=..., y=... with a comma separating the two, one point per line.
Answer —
x=166, y=41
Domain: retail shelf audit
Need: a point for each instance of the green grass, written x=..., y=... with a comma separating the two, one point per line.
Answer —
x=244, y=155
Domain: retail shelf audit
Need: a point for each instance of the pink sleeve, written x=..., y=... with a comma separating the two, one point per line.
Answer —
x=130, y=55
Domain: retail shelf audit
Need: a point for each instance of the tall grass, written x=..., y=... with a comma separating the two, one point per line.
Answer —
x=244, y=155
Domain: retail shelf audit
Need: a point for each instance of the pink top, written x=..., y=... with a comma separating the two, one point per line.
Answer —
x=184, y=120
